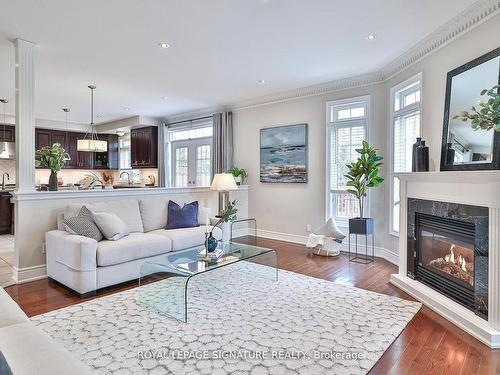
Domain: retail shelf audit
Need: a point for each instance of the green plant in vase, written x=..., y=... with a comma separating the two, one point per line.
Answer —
x=487, y=116
x=364, y=174
x=239, y=174
x=52, y=157
x=228, y=215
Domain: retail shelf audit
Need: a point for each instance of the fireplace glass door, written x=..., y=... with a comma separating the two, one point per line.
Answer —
x=445, y=256
x=451, y=257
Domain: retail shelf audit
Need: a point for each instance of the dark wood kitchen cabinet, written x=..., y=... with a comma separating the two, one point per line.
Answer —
x=43, y=138
x=144, y=147
x=6, y=210
x=80, y=159
x=7, y=133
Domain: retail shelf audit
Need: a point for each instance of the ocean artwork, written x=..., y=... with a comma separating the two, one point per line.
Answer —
x=283, y=154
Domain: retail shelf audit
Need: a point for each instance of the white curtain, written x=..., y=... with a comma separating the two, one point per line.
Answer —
x=222, y=153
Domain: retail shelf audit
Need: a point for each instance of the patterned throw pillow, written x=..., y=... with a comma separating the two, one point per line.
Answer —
x=83, y=225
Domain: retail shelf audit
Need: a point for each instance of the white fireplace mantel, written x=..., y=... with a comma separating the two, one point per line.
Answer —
x=478, y=188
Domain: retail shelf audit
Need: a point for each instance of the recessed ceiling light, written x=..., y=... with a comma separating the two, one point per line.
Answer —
x=164, y=97
x=164, y=45
x=371, y=37
x=126, y=108
x=263, y=81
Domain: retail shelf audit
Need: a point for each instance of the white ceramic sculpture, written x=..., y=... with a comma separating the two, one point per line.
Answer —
x=326, y=240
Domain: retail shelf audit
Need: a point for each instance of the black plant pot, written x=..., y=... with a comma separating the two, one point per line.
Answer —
x=361, y=225
x=53, y=181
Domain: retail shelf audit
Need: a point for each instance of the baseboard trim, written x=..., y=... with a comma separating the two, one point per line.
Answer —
x=380, y=252
x=27, y=274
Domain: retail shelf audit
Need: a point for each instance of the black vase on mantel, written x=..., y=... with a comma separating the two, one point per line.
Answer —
x=422, y=158
x=53, y=181
x=414, y=154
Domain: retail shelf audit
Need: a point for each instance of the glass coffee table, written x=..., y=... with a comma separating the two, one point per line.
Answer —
x=175, y=270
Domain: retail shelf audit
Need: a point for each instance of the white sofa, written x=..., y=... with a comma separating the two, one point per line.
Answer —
x=27, y=349
x=86, y=265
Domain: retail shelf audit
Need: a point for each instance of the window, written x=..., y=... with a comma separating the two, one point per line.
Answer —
x=190, y=154
x=405, y=128
x=347, y=123
x=125, y=160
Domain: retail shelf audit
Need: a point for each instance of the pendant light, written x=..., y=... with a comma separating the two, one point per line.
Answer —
x=91, y=141
x=4, y=153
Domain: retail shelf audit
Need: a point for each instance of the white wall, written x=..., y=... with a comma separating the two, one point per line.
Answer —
x=287, y=208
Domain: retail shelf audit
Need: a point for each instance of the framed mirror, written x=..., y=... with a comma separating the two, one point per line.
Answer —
x=464, y=148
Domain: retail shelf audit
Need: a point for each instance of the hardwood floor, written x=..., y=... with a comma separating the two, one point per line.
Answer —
x=428, y=345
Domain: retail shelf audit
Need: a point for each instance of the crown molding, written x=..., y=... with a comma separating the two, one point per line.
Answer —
x=322, y=88
x=471, y=17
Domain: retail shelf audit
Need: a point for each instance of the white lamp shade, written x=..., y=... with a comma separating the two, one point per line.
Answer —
x=92, y=145
x=223, y=182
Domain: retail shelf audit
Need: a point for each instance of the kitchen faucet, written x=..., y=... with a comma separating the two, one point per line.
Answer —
x=128, y=176
x=3, y=179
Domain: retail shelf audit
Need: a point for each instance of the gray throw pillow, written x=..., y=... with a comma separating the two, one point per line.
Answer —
x=83, y=225
x=111, y=226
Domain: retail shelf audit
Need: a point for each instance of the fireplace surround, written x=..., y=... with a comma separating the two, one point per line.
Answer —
x=448, y=250
x=452, y=195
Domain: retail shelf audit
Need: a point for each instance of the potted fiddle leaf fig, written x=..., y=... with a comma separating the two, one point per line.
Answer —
x=487, y=116
x=363, y=174
x=52, y=157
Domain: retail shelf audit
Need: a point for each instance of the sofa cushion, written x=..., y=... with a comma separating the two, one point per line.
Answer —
x=125, y=209
x=131, y=247
x=111, y=226
x=184, y=238
x=29, y=351
x=154, y=213
x=182, y=217
x=10, y=312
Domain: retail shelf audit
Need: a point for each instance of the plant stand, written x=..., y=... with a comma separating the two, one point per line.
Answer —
x=363, y=227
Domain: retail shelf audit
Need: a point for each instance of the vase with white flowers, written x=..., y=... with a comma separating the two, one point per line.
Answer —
x=52, y=157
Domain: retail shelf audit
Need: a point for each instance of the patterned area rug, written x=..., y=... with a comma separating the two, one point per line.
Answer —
x=241, y=321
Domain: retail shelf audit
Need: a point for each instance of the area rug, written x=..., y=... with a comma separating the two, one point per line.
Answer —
x=241, y=321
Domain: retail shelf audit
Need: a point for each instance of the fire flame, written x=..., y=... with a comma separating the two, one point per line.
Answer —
x=460, y=261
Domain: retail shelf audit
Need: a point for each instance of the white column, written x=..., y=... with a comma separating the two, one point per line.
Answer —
x=494, y=269
x=403, y=226
x=25, y=116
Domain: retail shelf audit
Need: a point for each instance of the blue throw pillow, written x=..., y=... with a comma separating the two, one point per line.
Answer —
x=4, y=366
x=182, y=217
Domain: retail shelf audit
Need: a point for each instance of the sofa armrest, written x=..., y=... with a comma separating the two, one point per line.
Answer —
x=76, y=252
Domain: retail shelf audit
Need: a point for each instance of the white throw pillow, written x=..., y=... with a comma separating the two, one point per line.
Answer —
x=112, y=227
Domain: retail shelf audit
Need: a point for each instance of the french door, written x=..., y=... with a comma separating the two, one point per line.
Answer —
x=191, y=162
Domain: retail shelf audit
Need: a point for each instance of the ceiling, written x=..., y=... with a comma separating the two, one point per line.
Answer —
x=220, y=49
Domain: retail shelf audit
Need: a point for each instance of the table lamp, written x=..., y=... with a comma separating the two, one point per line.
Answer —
x=223, y=183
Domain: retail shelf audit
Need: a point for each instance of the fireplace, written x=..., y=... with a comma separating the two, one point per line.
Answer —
x=445, y=256
x=447, y=250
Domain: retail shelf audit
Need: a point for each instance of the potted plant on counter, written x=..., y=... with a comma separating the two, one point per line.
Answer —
x=52, y=157
x=363, y=174
x=239, y=175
